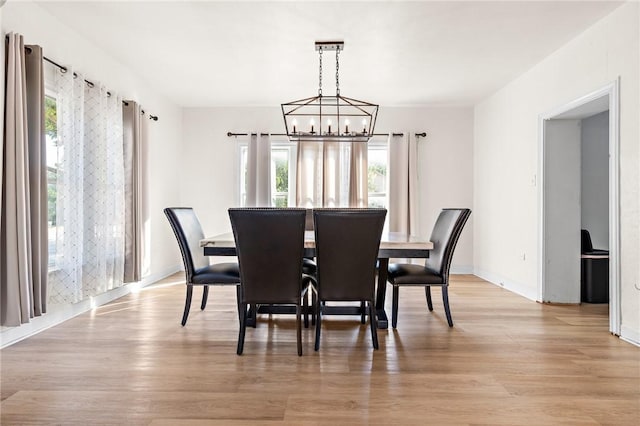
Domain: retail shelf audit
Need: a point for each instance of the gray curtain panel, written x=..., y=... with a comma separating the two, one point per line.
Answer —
x=136, y=207
x=23, y=230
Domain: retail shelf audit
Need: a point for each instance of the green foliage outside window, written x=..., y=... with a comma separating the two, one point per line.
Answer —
x=373, y=174
x=282, y=181
x=50, y=118
x=51, y=132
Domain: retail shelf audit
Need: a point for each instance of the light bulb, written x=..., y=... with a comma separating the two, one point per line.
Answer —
x=346, y=125
x=294, y=122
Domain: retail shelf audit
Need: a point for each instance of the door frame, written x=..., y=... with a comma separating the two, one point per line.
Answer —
x=612, y=90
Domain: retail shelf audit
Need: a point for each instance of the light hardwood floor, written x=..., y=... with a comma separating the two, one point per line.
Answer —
x=507, y=361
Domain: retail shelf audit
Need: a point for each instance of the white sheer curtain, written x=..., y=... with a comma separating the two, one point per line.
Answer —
x=331, y=174
x=259, y=171
x=403, y=184
x=90, y=191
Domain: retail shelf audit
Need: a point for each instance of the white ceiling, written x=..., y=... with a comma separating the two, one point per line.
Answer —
x=214, y=53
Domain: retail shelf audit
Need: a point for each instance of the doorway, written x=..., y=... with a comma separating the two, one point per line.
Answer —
x=566, y=197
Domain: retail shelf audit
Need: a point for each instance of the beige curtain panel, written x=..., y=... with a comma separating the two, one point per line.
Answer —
x=136, y=264
x=23, y=231
x=259, y=171
x=403, y=184
x=331, y=174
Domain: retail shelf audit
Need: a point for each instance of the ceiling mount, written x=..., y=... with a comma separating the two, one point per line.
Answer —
x=329, y=45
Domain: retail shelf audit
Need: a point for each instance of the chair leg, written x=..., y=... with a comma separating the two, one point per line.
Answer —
x=242, y=317
x=314, y=303
x=299, y=328
x=363, y=312
x=445, y=300
x=205, y=296
x=305, y=308
x=318, y=325
x=374, y=324
x=241, y=333
x=427, y=291
x=394, y=306
x=187, y=304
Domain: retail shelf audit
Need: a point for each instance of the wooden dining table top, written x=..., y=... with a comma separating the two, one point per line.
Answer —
x=389, y=240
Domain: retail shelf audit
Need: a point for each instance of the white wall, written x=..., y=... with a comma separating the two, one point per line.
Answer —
x=506, y=156
x=445, y=162
x=66, y=47
x=595, y=178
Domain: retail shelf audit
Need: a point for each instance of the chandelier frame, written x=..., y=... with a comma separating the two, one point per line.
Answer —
x=319, y=118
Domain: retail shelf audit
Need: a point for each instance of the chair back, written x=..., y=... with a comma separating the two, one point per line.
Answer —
x=270, y=247
x=444, y=237
x=347, y=243
x=586, y=244
x=188, y=232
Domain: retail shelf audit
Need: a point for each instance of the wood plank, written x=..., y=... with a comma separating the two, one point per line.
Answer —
x=506, y=361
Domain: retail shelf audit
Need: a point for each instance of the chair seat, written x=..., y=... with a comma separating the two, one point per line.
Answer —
x=221, y=273
x=408, y=274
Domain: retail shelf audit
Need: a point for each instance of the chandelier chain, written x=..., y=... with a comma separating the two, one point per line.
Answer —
x=320, y=74
x=337, y=71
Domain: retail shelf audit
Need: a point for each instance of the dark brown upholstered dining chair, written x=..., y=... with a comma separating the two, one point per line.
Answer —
x=270, y=247
x=435, y=271
x=347, y=243
x=197, y=268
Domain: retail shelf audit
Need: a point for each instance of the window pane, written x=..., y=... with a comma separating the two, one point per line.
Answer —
x=54, y=152
x=243, y=175
x=280, y=176
x=281, y=162
x=377, y=175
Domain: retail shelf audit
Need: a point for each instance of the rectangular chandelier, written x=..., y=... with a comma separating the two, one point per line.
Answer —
x=336, y=118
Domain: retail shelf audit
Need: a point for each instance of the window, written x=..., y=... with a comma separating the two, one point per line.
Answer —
x=54, y=155
x=283, y=173
x=377, y=180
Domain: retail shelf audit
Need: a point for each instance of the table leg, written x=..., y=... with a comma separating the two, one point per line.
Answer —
x=383, y=264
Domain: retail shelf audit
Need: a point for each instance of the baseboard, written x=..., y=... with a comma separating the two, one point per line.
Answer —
x=11, y=335
x=630, y=335
x=506, y=283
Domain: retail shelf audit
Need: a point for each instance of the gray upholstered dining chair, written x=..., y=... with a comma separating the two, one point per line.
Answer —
x=197, y=267
x=270, y=248
x=435, y=271
x=347, y=244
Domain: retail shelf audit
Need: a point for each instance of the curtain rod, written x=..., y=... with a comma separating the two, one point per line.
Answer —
x=89, y=83
x=230, y=134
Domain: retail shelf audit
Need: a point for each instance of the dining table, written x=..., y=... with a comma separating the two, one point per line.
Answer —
x=392, y=245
